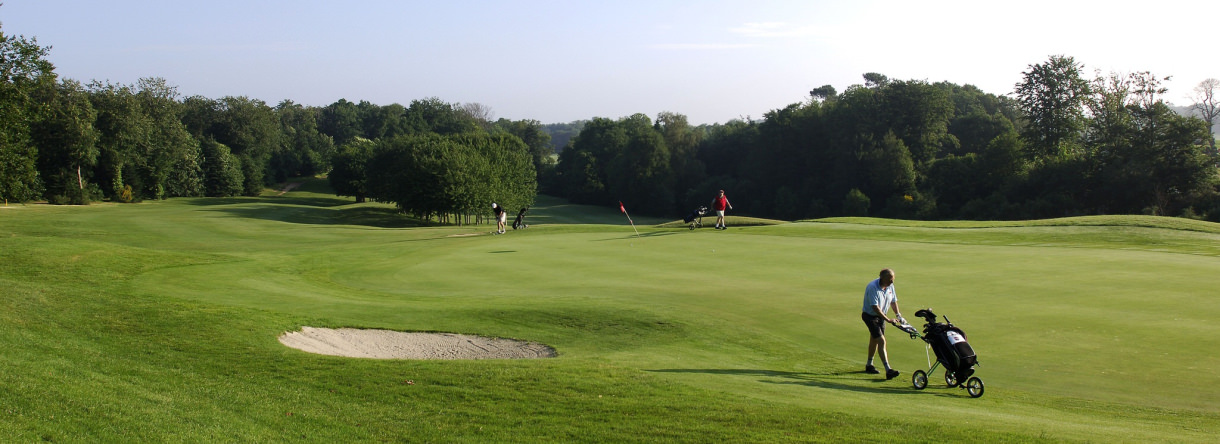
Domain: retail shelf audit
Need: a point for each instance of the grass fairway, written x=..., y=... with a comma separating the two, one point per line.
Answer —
x=158, y=322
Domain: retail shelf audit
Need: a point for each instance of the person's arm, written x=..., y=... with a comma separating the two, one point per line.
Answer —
x=877, y=309
x=897, y=312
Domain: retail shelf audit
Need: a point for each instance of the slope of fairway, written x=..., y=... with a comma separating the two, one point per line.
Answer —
x=158, y=321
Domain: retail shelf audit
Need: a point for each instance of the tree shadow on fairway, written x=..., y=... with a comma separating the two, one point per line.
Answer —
x=320, y=201
x=633, y=236
x=851, y=381
x=293, y=212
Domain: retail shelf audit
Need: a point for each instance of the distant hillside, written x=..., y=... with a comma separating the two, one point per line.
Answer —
x=1191, y=111
x=562, y=133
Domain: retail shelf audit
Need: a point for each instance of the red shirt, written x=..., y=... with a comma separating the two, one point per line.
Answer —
x=720, y=203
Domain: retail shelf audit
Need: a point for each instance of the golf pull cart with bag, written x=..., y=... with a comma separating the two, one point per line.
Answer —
x=695, y=218
x=952, y=352
x=520, y=222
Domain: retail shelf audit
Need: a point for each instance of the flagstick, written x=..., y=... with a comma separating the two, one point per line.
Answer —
x=637, y=232
x=621, y=207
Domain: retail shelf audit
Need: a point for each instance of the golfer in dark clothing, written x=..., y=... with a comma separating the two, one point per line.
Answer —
x=501, y=218
x=879, y=297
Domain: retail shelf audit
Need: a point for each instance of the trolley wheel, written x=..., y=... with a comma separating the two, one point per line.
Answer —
x=950, y=378
x=974, y=386
x=692, y=226
x=919, y=379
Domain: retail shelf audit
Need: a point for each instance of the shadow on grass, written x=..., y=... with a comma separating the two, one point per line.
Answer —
x=849, y=381
x=640, y=236
x=319, y=201
x=292, y=211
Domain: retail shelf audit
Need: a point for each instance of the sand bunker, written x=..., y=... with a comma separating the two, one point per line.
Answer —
x=386, y=344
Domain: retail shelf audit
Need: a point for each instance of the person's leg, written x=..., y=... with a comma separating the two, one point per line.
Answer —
x=890, y=373
x=874, y=341
x=881, y=352
x=872, y=351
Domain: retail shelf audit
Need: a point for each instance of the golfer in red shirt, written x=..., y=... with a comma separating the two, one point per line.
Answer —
x=720, y=203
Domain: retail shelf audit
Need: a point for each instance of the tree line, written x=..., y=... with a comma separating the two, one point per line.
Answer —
x=1063, y=145
x=73, y=143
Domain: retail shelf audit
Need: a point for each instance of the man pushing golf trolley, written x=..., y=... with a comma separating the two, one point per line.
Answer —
x=952, y=352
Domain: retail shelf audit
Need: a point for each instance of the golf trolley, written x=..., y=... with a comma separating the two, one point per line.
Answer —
x=520, y=222
x=952, y=351
x=695, y=218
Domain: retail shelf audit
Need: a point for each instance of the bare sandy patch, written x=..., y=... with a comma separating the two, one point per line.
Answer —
x=289, y=187
x=387, y=344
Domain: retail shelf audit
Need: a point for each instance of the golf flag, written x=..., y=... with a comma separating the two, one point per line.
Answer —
x=624, y=210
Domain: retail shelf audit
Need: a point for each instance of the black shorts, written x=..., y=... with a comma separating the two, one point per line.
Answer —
x=876, y=324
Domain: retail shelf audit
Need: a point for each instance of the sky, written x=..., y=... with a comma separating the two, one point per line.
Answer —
x=560, y=61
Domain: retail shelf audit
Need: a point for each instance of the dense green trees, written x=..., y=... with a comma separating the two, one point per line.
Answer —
x=531, y=132
x=348, y=175
x=68, y=140
x=23, y=71
x=303, y=149
x=911, y=149
x=1052, y=95
x=1061, y=145
x=450, y=177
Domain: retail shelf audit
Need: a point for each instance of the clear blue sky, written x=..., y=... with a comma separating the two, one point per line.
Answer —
x=559, y=61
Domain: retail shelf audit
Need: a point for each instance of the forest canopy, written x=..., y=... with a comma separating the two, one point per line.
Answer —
x=1061, y=144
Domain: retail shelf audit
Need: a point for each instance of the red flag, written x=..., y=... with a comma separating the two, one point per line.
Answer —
x=621, y=208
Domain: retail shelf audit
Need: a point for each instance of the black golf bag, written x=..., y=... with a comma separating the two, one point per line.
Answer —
x=949, y=344
x=520, y=222
x=695, y=218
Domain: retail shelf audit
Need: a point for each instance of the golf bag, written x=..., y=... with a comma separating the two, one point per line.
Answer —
x=949, y=344
x=520, y=222
x=695, y=218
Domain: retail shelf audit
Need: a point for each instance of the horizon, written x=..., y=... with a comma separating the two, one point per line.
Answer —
x=557, y=62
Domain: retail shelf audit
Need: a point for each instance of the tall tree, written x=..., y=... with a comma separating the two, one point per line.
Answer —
x=824, y=92
x=436, y=116
x=341, y=121
x=349, y=173
x=582, y=167
x=251, y=130
x=23, y=66
x=303, y=150
x=1052, y=95
x=478, y=112
x=222, y=171
x=641, y=171
x=919, y=114
x=535, y=137
x=171, y=156
x=123, y=131
x=1208, y=106
x=67, y=142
